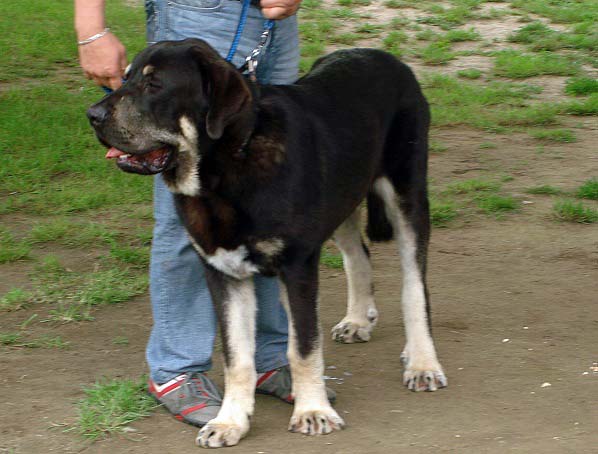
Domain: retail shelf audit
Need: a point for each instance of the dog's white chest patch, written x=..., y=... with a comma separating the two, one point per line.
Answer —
x=230, y=262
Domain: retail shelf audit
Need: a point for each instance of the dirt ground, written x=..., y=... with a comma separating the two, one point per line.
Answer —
x=514, y=307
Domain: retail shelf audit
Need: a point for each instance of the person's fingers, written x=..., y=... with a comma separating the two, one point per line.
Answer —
x=114, y=82
x=279, y=9
x=123, y=64
x=102, y=81
x=278, y=12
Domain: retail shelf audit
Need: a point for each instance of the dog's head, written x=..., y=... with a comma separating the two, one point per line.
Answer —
x=179, y=98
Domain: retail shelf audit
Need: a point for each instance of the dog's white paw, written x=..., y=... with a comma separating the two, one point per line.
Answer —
x=219, y=435
x=424, y=375
x=316, y=422
x=351, y=330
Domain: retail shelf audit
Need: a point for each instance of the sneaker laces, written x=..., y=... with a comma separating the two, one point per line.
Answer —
x=199, y=385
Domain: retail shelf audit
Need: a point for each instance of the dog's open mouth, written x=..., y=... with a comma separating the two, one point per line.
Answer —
x=144, y=163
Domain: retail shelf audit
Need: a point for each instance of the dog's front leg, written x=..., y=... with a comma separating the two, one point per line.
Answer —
x=299, y=289
x=235, y=303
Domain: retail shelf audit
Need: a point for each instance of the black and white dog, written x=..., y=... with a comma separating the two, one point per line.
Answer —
x=262, y=176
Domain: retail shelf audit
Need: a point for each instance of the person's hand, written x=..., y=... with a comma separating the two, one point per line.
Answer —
x=104, y=61
x=279, y=9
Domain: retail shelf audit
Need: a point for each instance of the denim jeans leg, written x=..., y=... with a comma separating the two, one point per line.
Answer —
x=184, y=328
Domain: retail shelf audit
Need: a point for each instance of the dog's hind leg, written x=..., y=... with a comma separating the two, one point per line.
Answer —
x=407, y=208
x=235, y=303
x=313, y=413
x=362, y=314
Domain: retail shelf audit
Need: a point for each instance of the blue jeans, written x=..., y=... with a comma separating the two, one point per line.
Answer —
x=184, y=330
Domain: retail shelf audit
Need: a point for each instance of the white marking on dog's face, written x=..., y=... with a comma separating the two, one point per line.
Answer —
x=148, y=69
x=270, y=247
x=127, y=70
x=186, y=179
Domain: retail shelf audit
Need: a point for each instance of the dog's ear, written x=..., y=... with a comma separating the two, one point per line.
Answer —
x=229, y=97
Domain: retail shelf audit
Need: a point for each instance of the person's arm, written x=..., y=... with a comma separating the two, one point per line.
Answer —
x=279, y=9
x=103, y=60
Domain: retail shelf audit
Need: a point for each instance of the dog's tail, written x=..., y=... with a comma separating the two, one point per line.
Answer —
x=379, y=227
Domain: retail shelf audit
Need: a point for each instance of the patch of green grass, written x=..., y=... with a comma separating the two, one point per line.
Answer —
x=392, y=42
x=472, y=186
x=70, y=233
x=60, y=168
x=110, y=405
x=515, y=65
x=555, y=135
x=120, y=340
x=134, y=256
x=560, y=11
x=51, y=43
x=437, y=147
x=442, y=212
x=354, y=2
x=493, y=106
x=314, y=36
x=16, y=340
x=495, y=204
x=535, y=115
x=67, y=312
x=331, y=260
x=587, y=106
x=395, y=4
x=369, y=29
x=544, y=189
x=455, y=36
x=451, y=17
x=73, y=294
x=427, y=35
x=399, y=23
x=540, y=37
x=487, y=145
x=588, y=190
x=345, y=38
x=579, y=86
x=437, y=53
x=9, y=338
x=111, y=286
x=471, y=73
x=12, y=249
x=15, y=299
x=570, y=211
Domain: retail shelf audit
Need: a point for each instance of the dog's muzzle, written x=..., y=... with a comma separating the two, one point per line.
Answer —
x=148, y=163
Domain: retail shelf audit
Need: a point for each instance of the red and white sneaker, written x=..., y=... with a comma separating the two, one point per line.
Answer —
x=192, y=398
x=195, y=399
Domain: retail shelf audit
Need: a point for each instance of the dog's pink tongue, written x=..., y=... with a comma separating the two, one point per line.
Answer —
x=114, y=153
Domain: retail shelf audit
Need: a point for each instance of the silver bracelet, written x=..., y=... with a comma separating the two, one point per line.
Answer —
x=93, y=38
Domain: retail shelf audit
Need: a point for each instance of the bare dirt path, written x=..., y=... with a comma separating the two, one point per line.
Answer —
x=524, y=278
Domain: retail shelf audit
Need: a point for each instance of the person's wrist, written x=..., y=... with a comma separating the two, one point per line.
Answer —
x=92, y=38
x=86, y=30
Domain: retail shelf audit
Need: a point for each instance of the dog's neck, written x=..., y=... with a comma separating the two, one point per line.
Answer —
x=250, y=151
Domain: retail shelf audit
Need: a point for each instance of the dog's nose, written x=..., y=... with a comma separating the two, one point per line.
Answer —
x=97, y=114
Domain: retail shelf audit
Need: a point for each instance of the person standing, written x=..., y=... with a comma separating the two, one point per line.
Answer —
x=180, y=346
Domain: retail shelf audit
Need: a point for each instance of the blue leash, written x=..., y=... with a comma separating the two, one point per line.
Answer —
x=268, y=25
x=242, y=20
